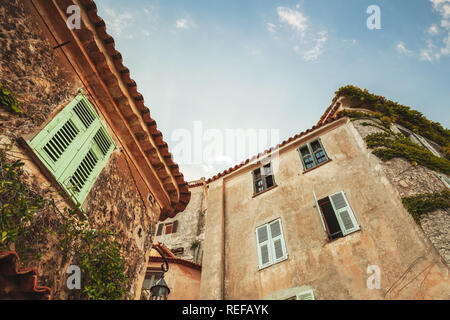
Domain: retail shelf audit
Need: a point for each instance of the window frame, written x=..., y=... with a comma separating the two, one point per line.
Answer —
x=312, y=154
x=270, y=243
x=305, y=292
x=263, y=178
x=337, y=212
x=69, y=167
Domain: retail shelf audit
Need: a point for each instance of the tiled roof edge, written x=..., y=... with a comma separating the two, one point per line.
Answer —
x=10, y=263
x=108, y=41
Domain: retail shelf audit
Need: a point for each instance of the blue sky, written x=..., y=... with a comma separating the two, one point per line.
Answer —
x=276, y=64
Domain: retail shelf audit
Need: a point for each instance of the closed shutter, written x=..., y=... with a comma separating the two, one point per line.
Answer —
x=80, y=176
x=344, y=213
x=160, y=227
x=278, y=245
x=263, y=243
x=306, y=295
x=57, y=144
x=74, y=146
x=175, y=226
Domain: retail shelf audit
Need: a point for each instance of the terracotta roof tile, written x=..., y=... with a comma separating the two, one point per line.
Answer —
x=267, y=151
x=19, y=283
x=108, y=40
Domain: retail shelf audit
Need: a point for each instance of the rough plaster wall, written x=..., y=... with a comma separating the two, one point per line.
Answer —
x=31, y=69
x=409, y=181
x=389, y=237
x=191, y=227
x=44, y=84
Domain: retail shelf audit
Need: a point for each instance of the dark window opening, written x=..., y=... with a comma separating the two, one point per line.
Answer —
x=263, y=178
x=330, y=220
x=313, y=154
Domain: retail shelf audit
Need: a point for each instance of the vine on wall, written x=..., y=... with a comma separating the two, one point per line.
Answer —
x=427, y=202
x=403, y=115
x=96, y=252
x=8, y=101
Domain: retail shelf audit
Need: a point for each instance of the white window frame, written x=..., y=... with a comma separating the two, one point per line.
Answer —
x=312, y=154
x=270, y=242
x=299, y=295
x=443, y=179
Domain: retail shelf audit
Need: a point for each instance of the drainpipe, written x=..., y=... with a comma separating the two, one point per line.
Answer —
x=224, y=239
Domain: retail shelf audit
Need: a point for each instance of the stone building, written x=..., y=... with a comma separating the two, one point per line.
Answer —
x=184, y=234
x=182, y=277
x=321, y=217
x=86, y=139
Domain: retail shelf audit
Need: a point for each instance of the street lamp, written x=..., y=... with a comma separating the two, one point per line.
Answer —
x=160, y=290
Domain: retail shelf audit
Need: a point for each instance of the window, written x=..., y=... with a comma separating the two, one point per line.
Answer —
x=178, y=251
x=445, y=180
x=337, y=216
x=149, y=281
x=305, y=295
x=427, y=145
x=418, y=140
x=74, y=146
x=312, y=154
x=270, y=242
x=167, y=228
x=263, y=178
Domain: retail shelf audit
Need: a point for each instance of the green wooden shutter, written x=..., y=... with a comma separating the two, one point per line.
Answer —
x=74, y=146
x=263, y=243
x=80, y=176
x=305, y=295
x=344, y=213
x=277, y=241
x=56, y=145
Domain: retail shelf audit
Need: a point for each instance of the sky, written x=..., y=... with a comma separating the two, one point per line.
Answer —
x=208, y=66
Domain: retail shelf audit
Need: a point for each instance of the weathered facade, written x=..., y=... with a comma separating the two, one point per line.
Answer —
x=182, y=277
x=270, y=232
x=184, y=234
x=45, y=64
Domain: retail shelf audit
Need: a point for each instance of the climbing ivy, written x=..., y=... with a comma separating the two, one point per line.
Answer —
x=428, y=202
x=8, y=101
x=403, y=115
x=388, y=145
x=96, y=252
x=18, y=203
x=99, y=257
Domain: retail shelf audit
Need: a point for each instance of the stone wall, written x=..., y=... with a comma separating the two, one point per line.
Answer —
x=43, y=82
x=191, y=227
x=410, y=180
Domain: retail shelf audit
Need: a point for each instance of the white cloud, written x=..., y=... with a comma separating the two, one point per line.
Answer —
x=314, y=53
x=439, y=47
x=433, y=29
x=402, y=48
x=294, y=18
x=429, y=53
x=184, y=23
x=271, y=27
x=118, y=22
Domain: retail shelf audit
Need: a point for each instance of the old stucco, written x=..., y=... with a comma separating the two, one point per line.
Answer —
x=44, y=83
x=191, y=227
x=410, y=266
x=410, y=180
